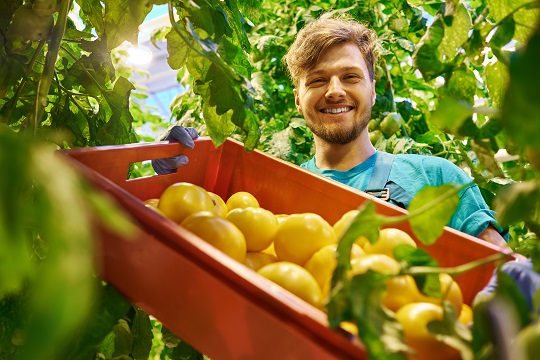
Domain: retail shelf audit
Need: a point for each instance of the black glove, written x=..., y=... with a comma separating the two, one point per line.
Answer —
x=184, y=136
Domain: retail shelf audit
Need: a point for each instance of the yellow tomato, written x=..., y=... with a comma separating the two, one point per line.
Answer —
x=375, y=262
x=400, y=290
x=294, y=278
x=414, y=318
x=300, y=235
x=258, y=225
x=343, y=224
x=182, y=199
x=152, y=202
x=388, y=240
x=220, y=208
x=256, y=260
x=218, y=232
x=270, y=249
x=323, y=263
x=450, y=292
x=241, y=199
x=466, y=316
x=349, y=327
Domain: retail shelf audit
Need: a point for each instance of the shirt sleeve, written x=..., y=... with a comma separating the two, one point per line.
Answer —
x=473, y=215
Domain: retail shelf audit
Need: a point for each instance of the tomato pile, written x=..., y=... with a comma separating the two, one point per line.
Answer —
x=298, y=252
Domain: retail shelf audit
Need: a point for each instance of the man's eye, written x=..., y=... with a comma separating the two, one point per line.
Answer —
x=352, y=77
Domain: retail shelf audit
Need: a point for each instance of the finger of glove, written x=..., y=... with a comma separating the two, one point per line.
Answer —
x=184, y=136
x=169, y=165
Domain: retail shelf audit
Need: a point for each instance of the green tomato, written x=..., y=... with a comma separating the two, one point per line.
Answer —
x=391, y=123
x=44, y=7
x=30, y=26
x=375, y=136
x=372, y=125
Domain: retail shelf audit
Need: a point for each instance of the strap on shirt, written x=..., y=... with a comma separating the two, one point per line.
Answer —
x=379, y=176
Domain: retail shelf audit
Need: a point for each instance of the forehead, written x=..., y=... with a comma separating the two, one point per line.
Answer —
x=341, y=57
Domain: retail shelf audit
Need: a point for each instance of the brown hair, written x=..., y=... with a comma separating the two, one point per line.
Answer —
x=318, y=36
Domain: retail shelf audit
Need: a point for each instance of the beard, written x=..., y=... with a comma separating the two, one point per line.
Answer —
x=339, y=135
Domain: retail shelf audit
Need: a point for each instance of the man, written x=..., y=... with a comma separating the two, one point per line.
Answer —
x=331, y=63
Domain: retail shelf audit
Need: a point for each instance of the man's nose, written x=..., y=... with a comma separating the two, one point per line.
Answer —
x=335, y=89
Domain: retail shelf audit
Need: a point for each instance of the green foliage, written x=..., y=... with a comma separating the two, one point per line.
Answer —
x=46, y=267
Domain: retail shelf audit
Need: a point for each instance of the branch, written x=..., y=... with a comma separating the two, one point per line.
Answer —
x=50, y=61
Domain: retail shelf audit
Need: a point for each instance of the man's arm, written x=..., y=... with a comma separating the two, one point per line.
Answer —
x=491, y=235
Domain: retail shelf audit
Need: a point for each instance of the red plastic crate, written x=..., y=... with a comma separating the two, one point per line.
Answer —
x=221, y=307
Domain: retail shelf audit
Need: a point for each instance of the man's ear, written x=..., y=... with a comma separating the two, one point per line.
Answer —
x=297, y=101
x=373, y=93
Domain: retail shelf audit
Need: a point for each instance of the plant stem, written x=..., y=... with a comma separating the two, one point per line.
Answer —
x=45, y=81
x=456, y=270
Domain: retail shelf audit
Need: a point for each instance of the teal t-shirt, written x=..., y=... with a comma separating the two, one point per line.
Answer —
x=412, y=173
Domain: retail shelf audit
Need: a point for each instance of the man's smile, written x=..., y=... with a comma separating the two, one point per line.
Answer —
x=338, y=110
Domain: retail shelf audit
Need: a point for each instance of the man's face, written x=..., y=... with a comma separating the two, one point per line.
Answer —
x=336, y=96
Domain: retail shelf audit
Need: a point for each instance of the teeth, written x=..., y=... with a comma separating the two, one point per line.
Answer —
x=335, y=110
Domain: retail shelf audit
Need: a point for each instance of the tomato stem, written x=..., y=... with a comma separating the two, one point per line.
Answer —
x=456, y=270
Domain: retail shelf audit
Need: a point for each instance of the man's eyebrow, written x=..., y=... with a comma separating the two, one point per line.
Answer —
x=323, y=71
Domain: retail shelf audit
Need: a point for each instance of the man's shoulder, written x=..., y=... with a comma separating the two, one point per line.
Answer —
x=423, y=160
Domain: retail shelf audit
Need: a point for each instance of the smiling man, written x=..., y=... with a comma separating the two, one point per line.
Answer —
x=331, y=63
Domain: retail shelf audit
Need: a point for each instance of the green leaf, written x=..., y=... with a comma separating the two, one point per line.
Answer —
x=518, y=202
x=380, y=332
x=122, y=20
x=427, y=57
x=526, y=18
x=93, y=10
x=110, y=307
x=485, y=154
x=451, y=114
x=185, y=351
x=504, y=33
x=12, y=69
x=433, y=208
x=500, y=9
x=142, y=335
x=179, y=51
x=456, y=34
x=118, y=128
x=461, y=85
x=219, y=127
x=497, y=80
x=123, y=340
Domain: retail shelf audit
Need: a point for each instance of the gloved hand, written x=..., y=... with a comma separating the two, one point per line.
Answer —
x=184, y=136
x=523, y=274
